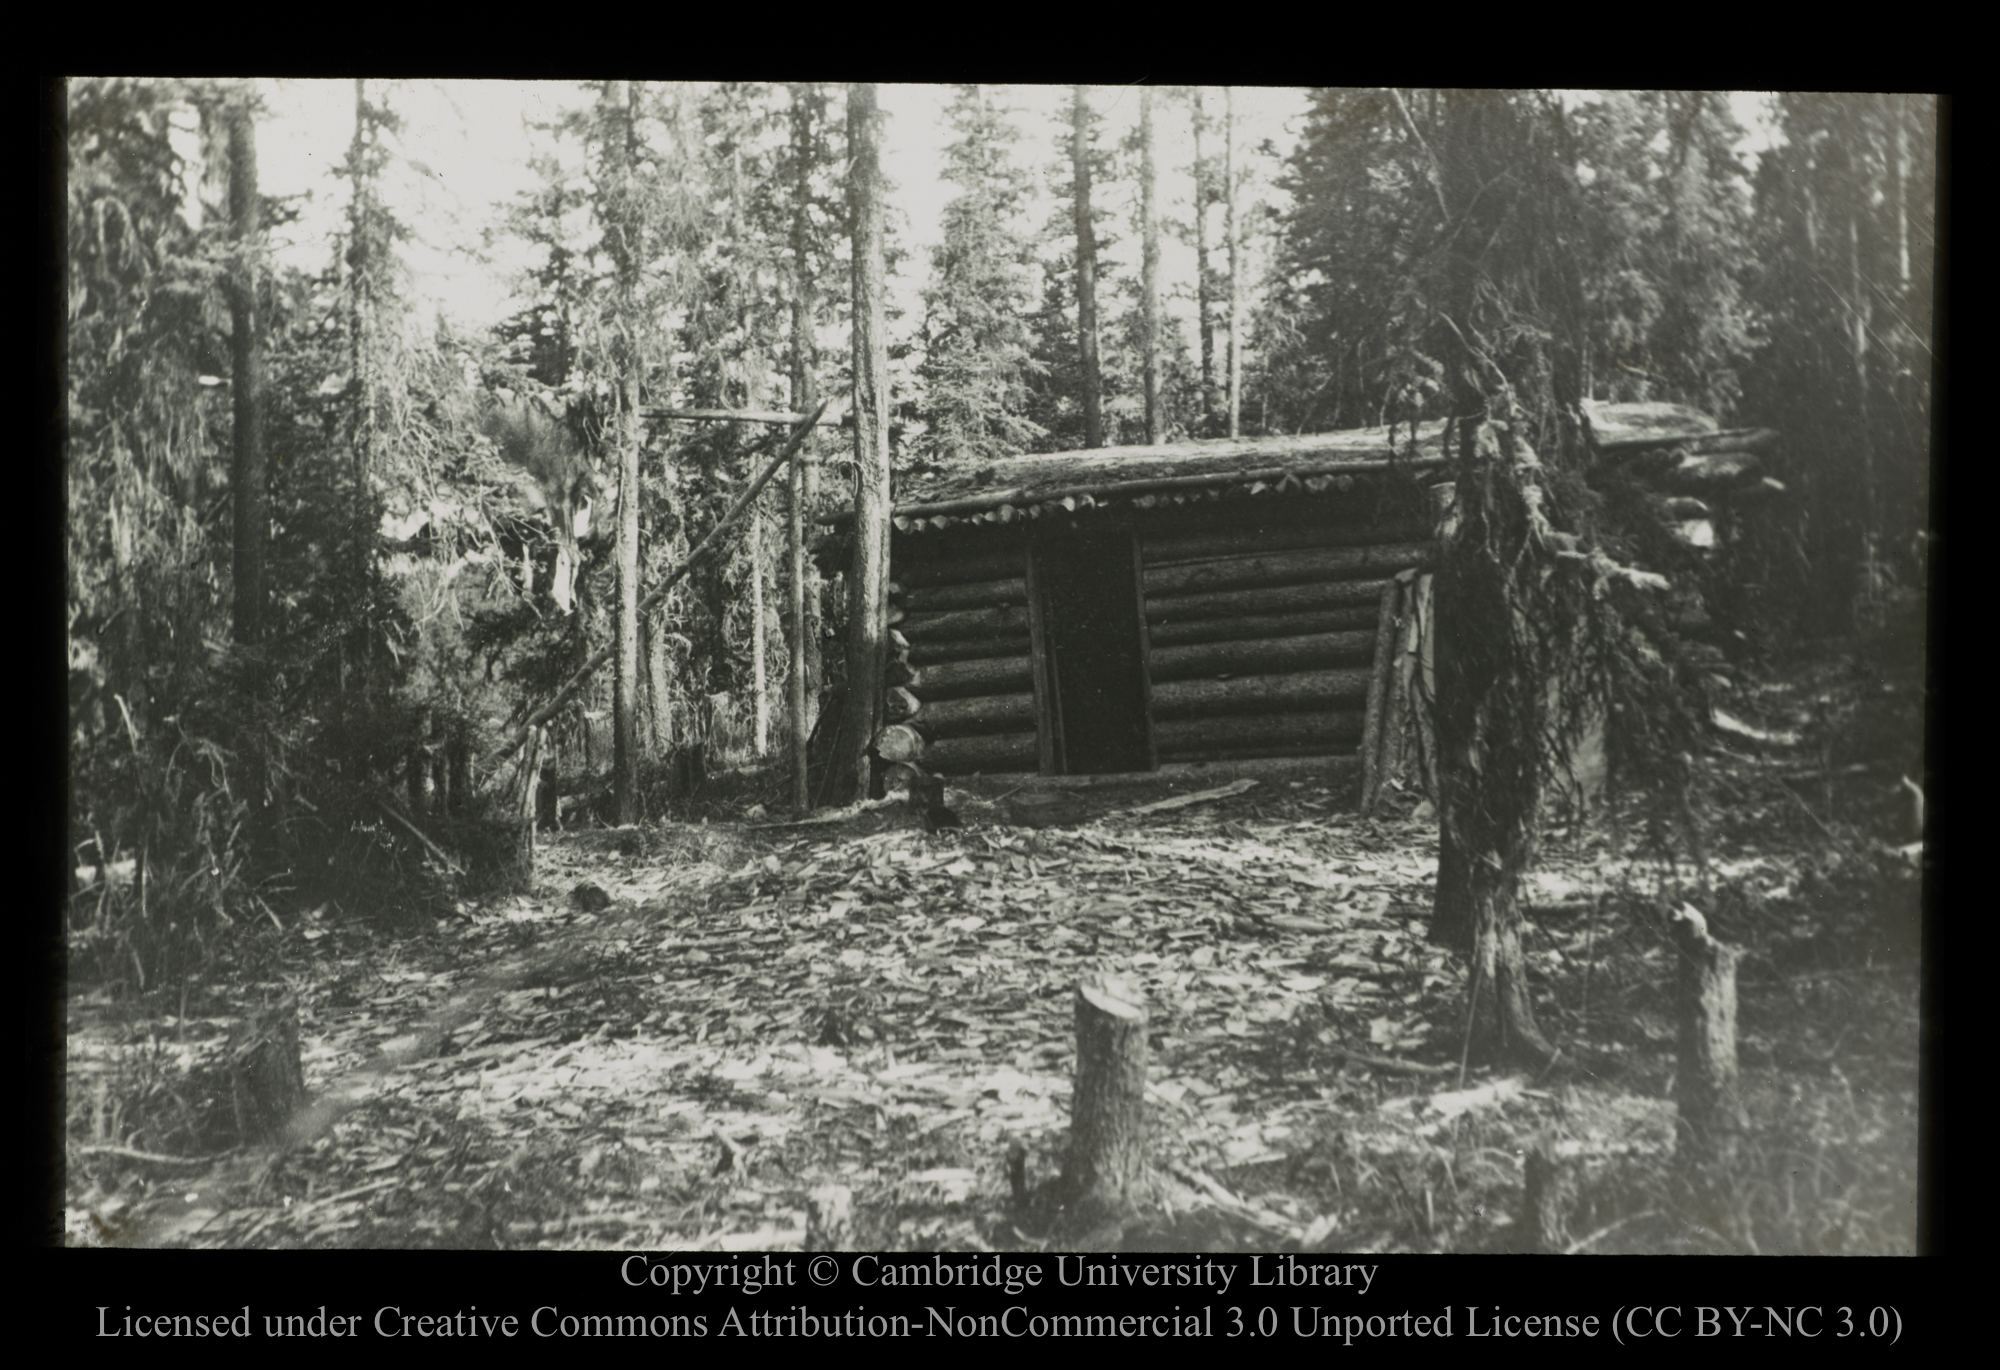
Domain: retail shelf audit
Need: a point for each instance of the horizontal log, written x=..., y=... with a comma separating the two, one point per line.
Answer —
x=1711, y=474
x=979, y=714
x=975, y=594
x=899, y=704
x=899, y=742
x=1334, y=729
x=1259, y=693
x=1287, y=568
x=923, y=572
x=981, y=676
x=1728, y=440
x=1178, y=633
x=901, y=673
x=1329, y=750
x=1166, y=549
x=1092, y=491
x=949, y=624
x=1178, y=777
x=928, y=653
x=1269, y=599
x=1206, y=659
x=1007, y=752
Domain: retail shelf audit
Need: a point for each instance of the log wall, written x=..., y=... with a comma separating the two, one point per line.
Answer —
x=1263, y=640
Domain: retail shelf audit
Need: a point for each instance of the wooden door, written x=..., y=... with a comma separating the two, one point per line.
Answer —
x=1093, y=695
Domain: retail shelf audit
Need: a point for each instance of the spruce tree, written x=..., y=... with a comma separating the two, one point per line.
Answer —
x=976, y=337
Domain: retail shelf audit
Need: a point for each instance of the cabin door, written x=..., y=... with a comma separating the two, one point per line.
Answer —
x=1093, y=698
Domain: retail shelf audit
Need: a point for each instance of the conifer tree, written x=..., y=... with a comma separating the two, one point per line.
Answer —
x=976, y=337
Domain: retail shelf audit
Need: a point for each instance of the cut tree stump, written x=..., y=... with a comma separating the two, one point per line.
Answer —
x=1105, y=1174
x=830, y=1219
x=1545, y=1199
x=1712, y=1117
x=267, y=1085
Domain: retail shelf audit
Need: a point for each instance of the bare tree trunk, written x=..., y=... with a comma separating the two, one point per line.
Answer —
x=1235, y=261
x=658, y=690
x=361, y=315
x=249, y=478
x=805, y=622
x=758, y=682
x=868, y=585
x=1149, y=231
x=623, y=97
x=1204, y=279
x=1086, y=271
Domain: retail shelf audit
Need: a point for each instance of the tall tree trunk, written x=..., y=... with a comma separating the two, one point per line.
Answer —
x=1491, y=696
x=249, y=478
x=1149, y=270
x=805, y=385
x=362, y=320
x=758, y=678
x=868, y=586
x=1086, y=271
x=1235, y=261
x=622, y=100
x=1204, y=192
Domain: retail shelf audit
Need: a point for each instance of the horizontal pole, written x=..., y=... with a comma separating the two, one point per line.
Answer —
x=656, y=412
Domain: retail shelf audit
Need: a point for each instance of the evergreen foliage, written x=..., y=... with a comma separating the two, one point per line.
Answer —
x=976, y=336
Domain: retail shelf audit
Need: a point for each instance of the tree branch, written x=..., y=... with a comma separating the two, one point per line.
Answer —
x=1437, y=171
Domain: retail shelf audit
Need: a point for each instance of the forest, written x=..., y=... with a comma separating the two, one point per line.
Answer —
x=528, y=787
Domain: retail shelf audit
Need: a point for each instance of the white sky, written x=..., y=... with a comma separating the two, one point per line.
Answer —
x=470, y=143
x=465, y=145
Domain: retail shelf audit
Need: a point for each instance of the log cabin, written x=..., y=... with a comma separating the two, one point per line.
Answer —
x=1128, y=609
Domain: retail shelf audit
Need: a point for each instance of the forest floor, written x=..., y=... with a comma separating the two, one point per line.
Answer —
x=758, y=1011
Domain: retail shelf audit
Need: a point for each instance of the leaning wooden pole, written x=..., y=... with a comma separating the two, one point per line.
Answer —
x=596, y=661
x=1374, y=727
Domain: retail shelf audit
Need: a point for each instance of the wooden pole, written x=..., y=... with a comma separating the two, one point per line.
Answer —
x=1372, y=729
x=654, y=413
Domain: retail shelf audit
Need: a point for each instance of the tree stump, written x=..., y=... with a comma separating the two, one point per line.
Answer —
x=830, y=1219
x=1105, y=1175
x=1712, y=1117
x=1545, y=1199
x=267, y=1084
